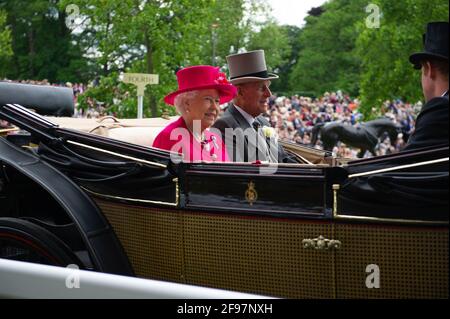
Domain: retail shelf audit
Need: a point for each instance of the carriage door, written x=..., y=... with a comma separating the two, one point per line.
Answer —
x=258, y=233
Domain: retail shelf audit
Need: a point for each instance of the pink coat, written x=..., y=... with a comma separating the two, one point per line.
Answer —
x=212, y=149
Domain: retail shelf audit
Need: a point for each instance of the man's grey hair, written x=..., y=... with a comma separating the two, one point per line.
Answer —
x=238, y=86
x=180, y=99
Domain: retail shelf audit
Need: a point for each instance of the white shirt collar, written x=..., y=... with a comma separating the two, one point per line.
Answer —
x=250, y=119
x=443, y=94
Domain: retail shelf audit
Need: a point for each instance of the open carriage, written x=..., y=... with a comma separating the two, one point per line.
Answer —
x=323, y=228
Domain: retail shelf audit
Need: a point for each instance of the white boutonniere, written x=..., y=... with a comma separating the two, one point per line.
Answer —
x=269, y=132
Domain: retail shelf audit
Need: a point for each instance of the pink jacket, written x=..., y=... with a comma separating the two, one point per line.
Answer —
x=212, y=149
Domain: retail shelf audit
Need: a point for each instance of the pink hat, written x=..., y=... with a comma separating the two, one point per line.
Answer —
x=203, y=77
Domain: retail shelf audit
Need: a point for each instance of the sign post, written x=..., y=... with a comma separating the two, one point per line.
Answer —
x=140, y=80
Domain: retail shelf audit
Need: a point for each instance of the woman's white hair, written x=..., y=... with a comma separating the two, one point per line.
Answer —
x=181, y=98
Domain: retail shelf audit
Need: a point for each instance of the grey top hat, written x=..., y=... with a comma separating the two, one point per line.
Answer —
x=248, y=67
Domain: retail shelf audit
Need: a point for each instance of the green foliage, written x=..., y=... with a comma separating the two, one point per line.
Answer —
x=42, y=44
x=159, y=37
x=274, y=40
x=5, y=45
x=335, y=50
x=5, y=38
x=386, y=72
x=281, y=86
x=117, y=98
x=227, y=27
x=338, y=50
x=327, y=59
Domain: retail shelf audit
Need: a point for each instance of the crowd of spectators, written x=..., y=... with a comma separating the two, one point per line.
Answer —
x=294, y=119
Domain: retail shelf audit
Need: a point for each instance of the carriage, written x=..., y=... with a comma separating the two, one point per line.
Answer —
x=323, y=228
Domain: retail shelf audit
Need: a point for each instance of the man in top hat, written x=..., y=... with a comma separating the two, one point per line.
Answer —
x=250, y=136
x=431, y=127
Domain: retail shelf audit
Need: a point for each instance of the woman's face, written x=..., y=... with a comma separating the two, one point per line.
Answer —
x=204, y=107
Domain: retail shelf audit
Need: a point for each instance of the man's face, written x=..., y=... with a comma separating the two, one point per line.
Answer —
x=254, y=97
x=427, y=83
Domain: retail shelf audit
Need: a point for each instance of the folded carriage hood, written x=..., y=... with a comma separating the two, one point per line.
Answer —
x=44, y=99
x=409, y=185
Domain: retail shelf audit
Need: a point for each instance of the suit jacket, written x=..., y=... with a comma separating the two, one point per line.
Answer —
x=247, y=145
x=431, y=125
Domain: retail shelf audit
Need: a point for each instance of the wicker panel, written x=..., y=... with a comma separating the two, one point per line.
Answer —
x=263, y=256
x=413, y=262
x=152, y=239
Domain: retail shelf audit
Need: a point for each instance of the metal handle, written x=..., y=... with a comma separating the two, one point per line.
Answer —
x=321, y=243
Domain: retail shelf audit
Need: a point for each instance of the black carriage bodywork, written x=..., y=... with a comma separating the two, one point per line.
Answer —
x=301, y=231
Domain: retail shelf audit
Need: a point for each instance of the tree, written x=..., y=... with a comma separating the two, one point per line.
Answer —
x=274, y=40
x=229, y=28
x=327, y=59
x=159, y=37
x=146, y=37
x=281, y=86
x=384, y=51
x=5, y=42
x=42, y=43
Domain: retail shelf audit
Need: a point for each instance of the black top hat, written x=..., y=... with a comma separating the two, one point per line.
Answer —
x=435, y=43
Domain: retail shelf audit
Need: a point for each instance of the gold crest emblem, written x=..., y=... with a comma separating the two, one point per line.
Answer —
x=250, y=194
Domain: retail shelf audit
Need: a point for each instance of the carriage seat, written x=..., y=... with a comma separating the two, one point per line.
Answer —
x=144, y=131
x=143, y=136
x=137, y=131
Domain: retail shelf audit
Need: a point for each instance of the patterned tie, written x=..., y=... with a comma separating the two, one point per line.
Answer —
x=256, y=126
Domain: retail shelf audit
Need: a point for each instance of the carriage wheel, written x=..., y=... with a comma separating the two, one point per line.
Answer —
x=24, y=241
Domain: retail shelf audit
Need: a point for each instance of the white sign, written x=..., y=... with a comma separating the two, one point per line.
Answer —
x=140, y=80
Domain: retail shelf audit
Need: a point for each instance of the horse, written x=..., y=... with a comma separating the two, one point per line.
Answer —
x=366, y=136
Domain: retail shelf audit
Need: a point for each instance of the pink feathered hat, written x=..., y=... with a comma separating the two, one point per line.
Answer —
x=203, y=77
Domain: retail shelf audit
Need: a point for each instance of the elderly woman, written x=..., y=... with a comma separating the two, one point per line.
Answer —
x=201, y=89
